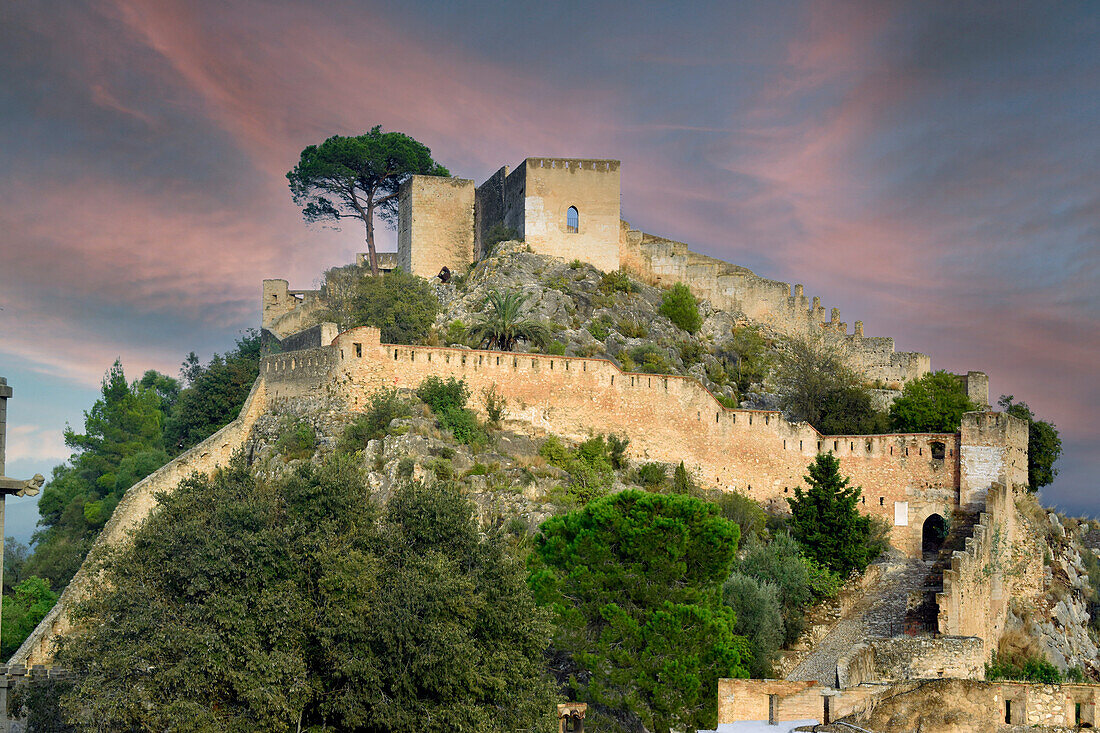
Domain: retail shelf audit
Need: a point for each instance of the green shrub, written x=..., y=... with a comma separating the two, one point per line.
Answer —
x=616, y=448
x=737, y=507
x=617, y=281
x=589, y=465
x=495, y=404
x=651, y=359
x=555, y=348
x=456, y=332
x=403, y=306
x=478, y=469
x=297, y=441
x=442, y=395
x=443, y=469
x=680, y=307
x=463, y=425
x=600, y=328
x=405, y=467
x=935, y=403
x=576, y=265
x=691, y=352
x=632, y=328
x=759, y=619
x=725, y=401
x=383, y=407
x=1030, y=668
x=651, y=475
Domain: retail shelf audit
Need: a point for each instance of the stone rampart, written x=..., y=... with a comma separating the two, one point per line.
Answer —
x=978, y=584
x=139, y=500
x=668, y=418
x=285, y=311
x=729, y=287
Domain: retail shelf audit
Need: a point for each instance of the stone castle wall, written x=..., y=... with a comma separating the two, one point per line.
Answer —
x=136, y=504
x=437, y=214
x=667, y=418
x=979, y=583
x=776, y=304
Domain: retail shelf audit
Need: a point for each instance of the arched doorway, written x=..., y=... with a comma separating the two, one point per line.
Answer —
x=933, y=534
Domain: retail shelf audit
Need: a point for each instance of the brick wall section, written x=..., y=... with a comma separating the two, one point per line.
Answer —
x=667, y=418
x=135, y=506
x=437, y=214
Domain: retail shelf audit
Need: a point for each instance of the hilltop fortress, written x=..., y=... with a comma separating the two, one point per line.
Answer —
x=569, y=208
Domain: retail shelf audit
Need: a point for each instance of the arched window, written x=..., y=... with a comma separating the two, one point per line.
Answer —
x=572, y=220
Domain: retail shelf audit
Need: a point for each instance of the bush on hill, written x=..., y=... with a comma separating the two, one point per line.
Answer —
x=680, y=307
x=935, y=403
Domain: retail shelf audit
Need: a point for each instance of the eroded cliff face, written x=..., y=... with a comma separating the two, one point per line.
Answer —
x=1050, y=612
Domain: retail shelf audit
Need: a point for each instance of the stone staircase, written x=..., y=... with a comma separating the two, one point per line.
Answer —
x=879, y=614
x=923, y=613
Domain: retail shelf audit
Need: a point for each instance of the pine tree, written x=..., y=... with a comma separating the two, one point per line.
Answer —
x=826, y=522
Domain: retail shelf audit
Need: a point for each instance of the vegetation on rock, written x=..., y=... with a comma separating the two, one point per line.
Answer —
x=504, y=323
x=299, y=604
x=679, y=306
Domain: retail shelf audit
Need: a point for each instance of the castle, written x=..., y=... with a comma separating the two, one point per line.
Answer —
x=570, y=208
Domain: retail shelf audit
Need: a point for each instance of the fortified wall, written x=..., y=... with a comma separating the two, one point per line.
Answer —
x=906, y=478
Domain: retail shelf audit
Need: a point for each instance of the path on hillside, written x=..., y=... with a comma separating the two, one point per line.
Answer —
x=879, y=614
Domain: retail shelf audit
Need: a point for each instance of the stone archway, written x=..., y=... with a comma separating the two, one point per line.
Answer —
x=933, y=534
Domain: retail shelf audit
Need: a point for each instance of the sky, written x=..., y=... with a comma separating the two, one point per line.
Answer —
x=929, y=168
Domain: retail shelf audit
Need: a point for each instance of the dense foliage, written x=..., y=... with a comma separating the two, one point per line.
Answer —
x=358, y=178
x=399, y=304
x=635, y=583
x=31, y=600
x=935, y=403
x=826, y=522
x=1044, y=445
x=680, y=307
x=816, y=384
x=1029, y=668
x=299, y=605
x=447, y=400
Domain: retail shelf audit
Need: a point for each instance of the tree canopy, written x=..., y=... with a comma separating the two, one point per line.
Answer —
x=935, y=403
x=300, y=605
x=358, y=177
x=826, y=522
x=1044, y=445
x=679, y=306
x=635, y=582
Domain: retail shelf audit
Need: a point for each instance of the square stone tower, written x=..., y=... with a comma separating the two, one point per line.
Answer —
x=435, y=224
x=565, y=207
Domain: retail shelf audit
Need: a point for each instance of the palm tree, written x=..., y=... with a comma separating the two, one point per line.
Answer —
x=503, y=325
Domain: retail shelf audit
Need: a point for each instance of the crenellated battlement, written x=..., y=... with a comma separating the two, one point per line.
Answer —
x=668, y=418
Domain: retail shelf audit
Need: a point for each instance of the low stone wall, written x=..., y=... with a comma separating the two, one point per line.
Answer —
x=135, y=506
x=912, y=658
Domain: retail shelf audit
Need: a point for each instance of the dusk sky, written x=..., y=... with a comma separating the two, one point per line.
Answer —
x=931, y=169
